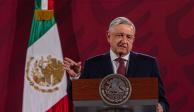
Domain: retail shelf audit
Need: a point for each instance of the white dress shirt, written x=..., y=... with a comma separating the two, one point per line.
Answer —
x=115, y=64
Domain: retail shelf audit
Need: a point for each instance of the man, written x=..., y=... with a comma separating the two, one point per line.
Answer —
x=120, y=59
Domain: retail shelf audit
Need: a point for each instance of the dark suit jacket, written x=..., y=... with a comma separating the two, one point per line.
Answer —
x=139, y=65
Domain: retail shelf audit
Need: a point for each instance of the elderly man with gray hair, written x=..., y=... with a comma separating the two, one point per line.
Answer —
x=120, y=60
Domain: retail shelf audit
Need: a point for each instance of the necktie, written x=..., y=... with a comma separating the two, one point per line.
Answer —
x=121, y=68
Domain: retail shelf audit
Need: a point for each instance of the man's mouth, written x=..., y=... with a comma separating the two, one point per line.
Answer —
x=122, y=46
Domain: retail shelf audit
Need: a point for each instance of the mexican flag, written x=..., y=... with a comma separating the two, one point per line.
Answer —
x=45, y=81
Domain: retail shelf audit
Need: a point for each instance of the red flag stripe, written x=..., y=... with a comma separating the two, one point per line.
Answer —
x=61, y=106
x=50, y=4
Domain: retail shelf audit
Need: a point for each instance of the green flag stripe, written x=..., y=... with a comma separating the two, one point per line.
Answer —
x=39, y=28
x=37, y=4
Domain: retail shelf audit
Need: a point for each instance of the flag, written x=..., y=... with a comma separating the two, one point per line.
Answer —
x=45, y=81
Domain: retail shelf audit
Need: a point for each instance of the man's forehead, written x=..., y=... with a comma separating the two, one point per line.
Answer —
x=122, y=28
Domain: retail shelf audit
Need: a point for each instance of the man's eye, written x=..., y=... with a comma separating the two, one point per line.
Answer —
x=129, y=36
x=119, y=35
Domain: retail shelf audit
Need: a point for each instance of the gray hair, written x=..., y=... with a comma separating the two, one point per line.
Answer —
x=121, y=20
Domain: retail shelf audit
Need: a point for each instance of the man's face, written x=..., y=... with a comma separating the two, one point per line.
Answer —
x=121, y=38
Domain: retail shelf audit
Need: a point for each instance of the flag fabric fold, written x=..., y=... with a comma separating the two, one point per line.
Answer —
x=45, y=81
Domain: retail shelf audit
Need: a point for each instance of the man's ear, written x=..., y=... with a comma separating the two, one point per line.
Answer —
x=134, y=39
x=108, y=36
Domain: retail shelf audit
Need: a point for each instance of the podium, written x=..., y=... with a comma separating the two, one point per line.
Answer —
x=144, y=96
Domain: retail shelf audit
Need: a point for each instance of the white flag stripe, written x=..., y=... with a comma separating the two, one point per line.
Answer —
x=44, y=4
x=36, y=101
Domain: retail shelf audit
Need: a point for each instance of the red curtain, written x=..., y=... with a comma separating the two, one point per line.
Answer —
x=164, y=30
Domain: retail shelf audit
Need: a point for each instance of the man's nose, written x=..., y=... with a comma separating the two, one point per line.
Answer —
x=124, y=39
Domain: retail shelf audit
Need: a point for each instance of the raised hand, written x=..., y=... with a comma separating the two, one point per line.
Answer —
x=73, y=68
x=159, y=108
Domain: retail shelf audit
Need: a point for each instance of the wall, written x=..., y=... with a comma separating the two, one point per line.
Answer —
x=164, y=30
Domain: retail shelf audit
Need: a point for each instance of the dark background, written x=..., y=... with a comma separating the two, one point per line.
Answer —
x=165, y=29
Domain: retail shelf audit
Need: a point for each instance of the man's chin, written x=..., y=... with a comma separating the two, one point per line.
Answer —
x=122, y=53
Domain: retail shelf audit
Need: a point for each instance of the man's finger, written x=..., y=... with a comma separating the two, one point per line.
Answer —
x=70, y=61
x=159, y=108
x=72, y=73
x=66, y=67
x=66, y=62
x=79, y=63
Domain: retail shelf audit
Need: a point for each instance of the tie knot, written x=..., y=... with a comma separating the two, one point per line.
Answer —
x=120, y=60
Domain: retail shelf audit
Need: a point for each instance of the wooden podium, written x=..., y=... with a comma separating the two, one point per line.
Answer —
x=143, y=98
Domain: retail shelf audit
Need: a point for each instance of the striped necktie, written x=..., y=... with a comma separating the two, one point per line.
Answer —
x=121, y=68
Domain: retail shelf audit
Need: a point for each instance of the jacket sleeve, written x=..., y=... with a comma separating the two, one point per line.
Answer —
x=161, y=92
x=85, y=71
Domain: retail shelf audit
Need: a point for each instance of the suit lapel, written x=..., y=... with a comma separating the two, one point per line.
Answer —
x=131, y=65
x=108, y=67
x=107, y=64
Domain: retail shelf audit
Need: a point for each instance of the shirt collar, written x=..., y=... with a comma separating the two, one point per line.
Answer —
x=113, y=56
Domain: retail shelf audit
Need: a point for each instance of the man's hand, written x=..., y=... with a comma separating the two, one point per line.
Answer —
x=159, y=108
x=72, y=68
